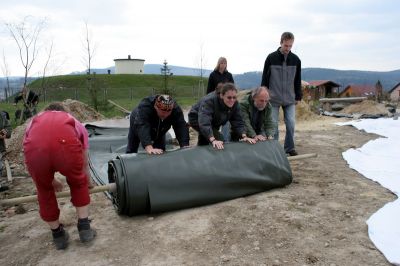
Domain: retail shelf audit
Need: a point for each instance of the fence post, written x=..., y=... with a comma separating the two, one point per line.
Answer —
x=131, y=94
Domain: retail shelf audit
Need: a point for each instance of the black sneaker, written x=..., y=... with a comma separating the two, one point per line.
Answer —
x=292, y=153
x=86, y=234
x=60, y=238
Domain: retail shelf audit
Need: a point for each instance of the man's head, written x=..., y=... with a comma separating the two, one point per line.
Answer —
x=287, y=39
x=55, y=106
x=260, y=97
x=228, y=94
x=164, y=105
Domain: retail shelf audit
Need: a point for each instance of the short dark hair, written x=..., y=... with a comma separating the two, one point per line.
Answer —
x=55, y=106
x=287, y=36
x=228, y=87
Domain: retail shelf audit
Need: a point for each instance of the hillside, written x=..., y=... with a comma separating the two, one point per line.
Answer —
x=246, y=80
x=252, y=79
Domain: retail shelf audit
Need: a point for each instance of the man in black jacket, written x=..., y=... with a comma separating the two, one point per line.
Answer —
x=151, y=120
x=282, y=75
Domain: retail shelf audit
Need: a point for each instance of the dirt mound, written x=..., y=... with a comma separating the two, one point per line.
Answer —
x=14, y=154
x=365, y=107
x=304, y=113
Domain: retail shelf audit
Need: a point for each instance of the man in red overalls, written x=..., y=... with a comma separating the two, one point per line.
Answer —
x=56, y=142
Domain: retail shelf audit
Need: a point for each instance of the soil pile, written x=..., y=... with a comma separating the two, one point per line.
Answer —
x=366, y=107
x=304, y=113
x=14, y=154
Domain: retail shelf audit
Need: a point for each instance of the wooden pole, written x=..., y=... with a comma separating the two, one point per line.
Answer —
x=119, y=107
x=302, y=156
x=63, y=194
x=8, y=170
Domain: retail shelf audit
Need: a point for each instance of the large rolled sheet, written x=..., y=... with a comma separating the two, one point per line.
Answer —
x=185, y=178
x=196, y=176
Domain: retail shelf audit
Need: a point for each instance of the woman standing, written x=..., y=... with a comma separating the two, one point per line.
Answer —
x=219, y=76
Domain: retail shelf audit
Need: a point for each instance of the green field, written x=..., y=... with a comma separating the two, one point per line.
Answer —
x=124, y=89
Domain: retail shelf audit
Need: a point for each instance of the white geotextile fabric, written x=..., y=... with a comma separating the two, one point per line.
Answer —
x=379, y=160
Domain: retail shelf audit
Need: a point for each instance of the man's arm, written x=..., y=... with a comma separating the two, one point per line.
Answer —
x=143, y=121
x=269, y=124
x=245, y=112
x=180, y=127
x=205, y=114
x=266, y=73
x=297, y=82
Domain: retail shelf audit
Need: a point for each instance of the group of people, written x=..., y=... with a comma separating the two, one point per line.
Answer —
x=219, y=117
x=55, y=141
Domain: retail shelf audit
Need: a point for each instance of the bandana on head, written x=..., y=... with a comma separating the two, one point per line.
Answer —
x=164, y=102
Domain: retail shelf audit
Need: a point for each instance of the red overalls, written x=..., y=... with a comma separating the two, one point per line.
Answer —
x=52, y=144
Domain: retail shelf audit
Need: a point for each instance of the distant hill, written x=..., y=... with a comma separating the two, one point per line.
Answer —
x=343, y=77
x=15, y=84
x=253, y=79
x=156, y=69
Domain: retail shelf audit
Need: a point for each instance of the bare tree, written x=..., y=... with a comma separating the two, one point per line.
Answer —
x=89, y=48
x=46, y=64
x=201, y=62
x=26, y=36
x=89, y=52
x=6, y=73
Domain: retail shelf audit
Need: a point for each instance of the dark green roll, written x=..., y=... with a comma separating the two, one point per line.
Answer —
x=197, y=176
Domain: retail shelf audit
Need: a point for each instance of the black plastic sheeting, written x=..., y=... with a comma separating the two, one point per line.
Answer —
x=184, y=178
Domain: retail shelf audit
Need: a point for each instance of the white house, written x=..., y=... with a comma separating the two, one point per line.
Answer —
x=129, y=66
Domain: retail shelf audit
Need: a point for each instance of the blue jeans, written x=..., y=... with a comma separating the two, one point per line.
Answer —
x=226, y=132
x=289, y=114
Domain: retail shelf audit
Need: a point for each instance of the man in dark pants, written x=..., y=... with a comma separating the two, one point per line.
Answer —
x=151, y=120
x=282, y=76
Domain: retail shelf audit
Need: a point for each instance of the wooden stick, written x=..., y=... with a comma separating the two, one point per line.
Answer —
x=119, y=107
x=8, y=170
x=302, y=156
x=63, y=194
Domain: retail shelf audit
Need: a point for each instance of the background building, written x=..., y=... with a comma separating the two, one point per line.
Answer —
x=129, y=66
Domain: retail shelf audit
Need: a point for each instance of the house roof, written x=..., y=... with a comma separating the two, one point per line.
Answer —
x=395, y=86
x=360, y=90
x=317, y=83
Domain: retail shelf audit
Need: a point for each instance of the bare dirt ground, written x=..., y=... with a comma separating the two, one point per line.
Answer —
x=319, y=219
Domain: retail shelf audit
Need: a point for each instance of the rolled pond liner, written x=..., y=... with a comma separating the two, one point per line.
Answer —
x=196, y=176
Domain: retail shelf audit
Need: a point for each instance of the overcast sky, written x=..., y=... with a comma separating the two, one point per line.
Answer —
x=340, y=34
